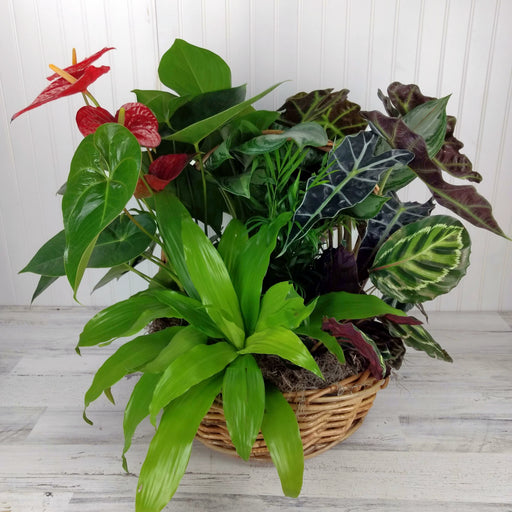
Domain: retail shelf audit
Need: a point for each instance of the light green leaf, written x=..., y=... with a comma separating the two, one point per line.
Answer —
x=184, y=340
x=212, y=281
x=137, y=409
x=196, y=132
x=123, y=319
x=282, y=306
x=102, y=179
x=282, y=436
x=127, y=359
x=315, y=332
x=422, y=260
x=283, y=343
x=233, y=241
x=429, y=121
x=170, y=449
x=243, y=400
x=189, y=69
x=189, y=369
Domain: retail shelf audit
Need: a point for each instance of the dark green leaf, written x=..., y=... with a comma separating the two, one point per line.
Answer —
x=163, y=104
x=399, y=178
x=243, y=398
x=102, y=179
x=137, y=409
x=49, y=259
x=169, y=451
x=189, y=369
x=43, y=283
x=367, y=208
x=189, y=69
x=282, y=436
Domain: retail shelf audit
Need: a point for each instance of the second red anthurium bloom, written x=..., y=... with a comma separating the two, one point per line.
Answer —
x=161, y=172
x=137, y=118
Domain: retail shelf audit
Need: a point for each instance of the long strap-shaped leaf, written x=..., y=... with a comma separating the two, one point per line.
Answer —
x=422, y=260
x=189, y=369
x=243, y=398
x=127, y=359
x=281, y=433
x=170, y=449
x=137, y=409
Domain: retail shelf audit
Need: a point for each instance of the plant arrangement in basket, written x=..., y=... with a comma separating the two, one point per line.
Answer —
x=273, y=238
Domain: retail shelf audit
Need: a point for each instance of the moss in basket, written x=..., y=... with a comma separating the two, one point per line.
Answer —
x=316, y=228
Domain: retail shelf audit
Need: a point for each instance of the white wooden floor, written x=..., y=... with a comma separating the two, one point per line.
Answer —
x=439, y=438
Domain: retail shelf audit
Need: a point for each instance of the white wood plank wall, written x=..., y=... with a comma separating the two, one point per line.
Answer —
x=462, y=47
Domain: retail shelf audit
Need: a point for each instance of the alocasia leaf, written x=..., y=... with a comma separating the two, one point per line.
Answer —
x=422, y=260
x=354, y=170
x=102, y=179
x=463, y=200
x=349, y=333
x=332, y=110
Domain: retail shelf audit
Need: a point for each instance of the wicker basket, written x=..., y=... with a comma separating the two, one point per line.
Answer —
x=325, y=416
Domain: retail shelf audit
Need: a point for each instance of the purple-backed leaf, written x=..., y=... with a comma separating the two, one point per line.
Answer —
x=407, y=320
x=338, y=269
x=404, y=97
x=463, y=200
x=349, y=333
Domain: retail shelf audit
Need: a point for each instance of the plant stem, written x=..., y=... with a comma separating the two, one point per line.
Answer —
x=140, y=274
x=147, y=233
x=203, y=179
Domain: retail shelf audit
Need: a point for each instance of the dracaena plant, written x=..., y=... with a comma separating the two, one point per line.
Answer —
x=319, y=250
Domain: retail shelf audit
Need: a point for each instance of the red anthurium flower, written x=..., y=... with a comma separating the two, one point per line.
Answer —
x=161, y=172
x=137, y=118
x=79, y=77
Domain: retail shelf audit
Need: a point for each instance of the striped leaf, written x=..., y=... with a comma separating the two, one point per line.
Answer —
x=422, y=260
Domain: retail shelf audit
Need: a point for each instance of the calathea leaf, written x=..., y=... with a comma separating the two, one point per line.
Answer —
x=354, y=170
x=393, y=215
x=417, y=337
x=170, y=449
x=332, y=110
x=463, y=200
x=102, y=179
x=349, y=333
x=422, y=260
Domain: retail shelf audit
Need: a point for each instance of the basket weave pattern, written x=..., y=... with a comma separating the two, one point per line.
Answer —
x=326, y=416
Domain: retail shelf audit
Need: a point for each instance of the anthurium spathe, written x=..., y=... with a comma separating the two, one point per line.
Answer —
x=78, y=77
x=137, y=118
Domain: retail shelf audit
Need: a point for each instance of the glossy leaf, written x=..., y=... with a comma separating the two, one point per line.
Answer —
x=252, y=266
x=195, y=133
x=170, y=448
x=127, y=359
x=124, y=318
x=243, y=400
x=189, y=69
x=422, y=260
x=282, y=306
x=198, y=364
x=349, y=333
x=162, y=103
x=49, y=259
x=463, y=200
x=102, y=179
x=283, y=343
x=137, y=409
x=282, y=436
x=212, y=281
x=304, y=134
x=418, y=338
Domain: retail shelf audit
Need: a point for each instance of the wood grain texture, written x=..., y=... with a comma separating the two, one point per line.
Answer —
x=439, y=438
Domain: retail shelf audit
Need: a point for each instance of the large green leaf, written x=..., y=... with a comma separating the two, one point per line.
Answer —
x=243, y=400
x=282, y=306
x=354, y=170
x=418, y=338
x=283, y=343
x=123, y=319
x=170, y=449
x=189, y=369
x=102, y=179
x=43, y=283
x=196, y=132
x=282, y=436
x=137, y=409
x=162, y=103
x=422, y=260
x=127, y=359
x=251, y=268
x=233, y=242
x=189, y=69
x=212, y=281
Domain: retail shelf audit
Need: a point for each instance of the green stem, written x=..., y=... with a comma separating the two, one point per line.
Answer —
x=203, y=179
x=147, y=233
x=384, y=180
x=140, y=274
x=92, y=98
